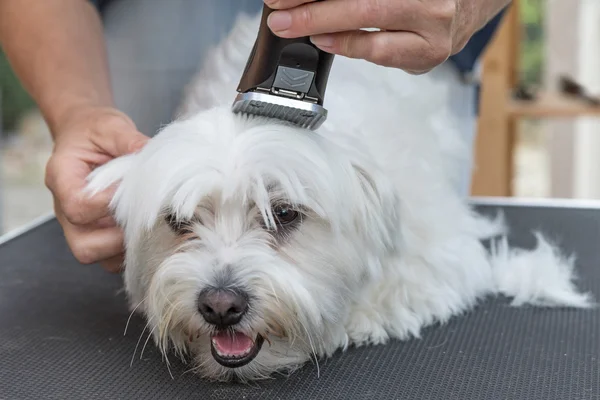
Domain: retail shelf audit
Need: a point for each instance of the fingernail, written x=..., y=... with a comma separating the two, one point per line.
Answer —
x=279, y=21
x=322, y=40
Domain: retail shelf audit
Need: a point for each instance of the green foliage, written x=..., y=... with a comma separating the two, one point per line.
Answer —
x=15, y=100
x=532, y=45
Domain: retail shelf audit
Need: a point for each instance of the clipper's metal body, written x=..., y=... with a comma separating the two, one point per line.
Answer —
x=284, y=79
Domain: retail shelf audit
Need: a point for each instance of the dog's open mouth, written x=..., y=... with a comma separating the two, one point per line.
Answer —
x=234, y=349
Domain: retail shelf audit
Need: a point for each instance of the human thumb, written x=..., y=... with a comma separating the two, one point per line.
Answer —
x=122, y=137
x=137, y=144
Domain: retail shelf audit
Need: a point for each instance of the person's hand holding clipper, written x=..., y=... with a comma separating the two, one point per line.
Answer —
x=413, y=35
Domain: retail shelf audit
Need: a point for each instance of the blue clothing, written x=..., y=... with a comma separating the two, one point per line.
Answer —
x=465, y=60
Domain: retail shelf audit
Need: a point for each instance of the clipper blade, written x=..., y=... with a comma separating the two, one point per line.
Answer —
x=301, y=113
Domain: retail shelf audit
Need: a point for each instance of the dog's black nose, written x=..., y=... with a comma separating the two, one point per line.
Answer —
x=222, y=307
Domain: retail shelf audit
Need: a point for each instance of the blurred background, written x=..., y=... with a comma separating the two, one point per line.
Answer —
x=25, y=146
x=538, y=135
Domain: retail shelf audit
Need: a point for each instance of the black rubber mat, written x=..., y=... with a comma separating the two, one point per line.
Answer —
x=61, y=337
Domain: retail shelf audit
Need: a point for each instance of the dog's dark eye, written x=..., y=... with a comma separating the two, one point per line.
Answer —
x=178, y=226
x=284, y=214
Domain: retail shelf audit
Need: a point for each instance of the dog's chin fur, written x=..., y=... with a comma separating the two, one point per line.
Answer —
x=384, y=245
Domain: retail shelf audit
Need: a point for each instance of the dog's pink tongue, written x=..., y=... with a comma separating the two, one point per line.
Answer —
x=236, y=344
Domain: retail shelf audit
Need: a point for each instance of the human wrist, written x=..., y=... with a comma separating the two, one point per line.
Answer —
x=60, y=116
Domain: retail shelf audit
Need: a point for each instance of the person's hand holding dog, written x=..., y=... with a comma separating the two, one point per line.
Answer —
x=57, y=49
x=85, y=138
x=414, y=35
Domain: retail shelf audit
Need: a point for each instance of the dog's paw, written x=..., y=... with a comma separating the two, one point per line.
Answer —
x=364, y=328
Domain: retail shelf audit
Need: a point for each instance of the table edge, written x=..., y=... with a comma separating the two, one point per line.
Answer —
x=31, y=225
x=525, y=202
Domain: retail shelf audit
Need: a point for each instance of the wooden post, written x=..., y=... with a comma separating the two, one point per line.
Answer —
x=493, y=170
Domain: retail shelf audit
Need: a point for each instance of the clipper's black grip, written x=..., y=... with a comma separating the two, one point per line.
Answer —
x=301, y=60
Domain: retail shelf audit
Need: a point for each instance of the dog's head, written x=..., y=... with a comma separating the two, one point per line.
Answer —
x=248, y=239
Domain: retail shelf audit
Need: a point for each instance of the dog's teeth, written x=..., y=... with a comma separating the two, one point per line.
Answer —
x=228, y=355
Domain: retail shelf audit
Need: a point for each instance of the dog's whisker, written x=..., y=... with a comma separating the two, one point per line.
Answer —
x=192, y=370
x=163, y=348
x=138, y=342
x=273, y=291
x=168, y=364
x=131, y=315
x=146, y=342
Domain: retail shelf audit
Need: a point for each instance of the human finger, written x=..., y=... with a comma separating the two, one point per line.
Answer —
x=333, y=16
x=403, y=50
x=66, y=179
x=285, y=4
x=117, y=135
x=91, y=244
x=114, y=264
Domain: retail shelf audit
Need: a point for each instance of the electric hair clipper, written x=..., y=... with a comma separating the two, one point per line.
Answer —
x=284, y=79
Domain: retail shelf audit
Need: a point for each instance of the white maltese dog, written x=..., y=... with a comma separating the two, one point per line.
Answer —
x=254, y=246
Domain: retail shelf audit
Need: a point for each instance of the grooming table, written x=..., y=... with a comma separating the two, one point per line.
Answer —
x=62, y=324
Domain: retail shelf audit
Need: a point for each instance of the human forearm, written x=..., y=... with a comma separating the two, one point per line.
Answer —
x=56, y=48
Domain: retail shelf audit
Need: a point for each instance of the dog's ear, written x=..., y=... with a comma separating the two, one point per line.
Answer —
x=108, y=175
x=377, y=212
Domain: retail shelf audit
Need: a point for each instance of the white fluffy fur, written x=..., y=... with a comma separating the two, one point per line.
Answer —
x=386, y=247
